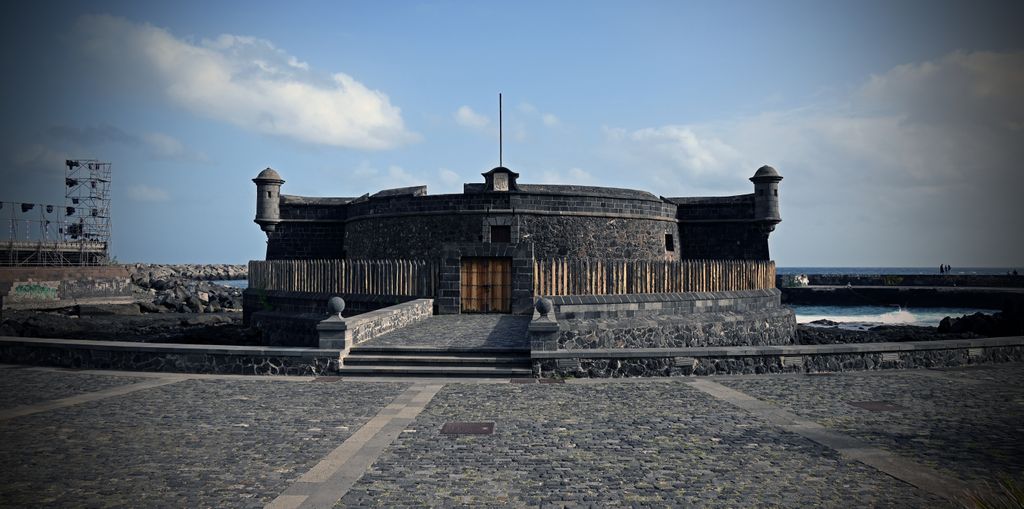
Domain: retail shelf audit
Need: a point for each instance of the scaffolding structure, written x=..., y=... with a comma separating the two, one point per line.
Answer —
x=87, y=201
x=76, y=234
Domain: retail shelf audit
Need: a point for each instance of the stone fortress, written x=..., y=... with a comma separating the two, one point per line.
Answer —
x=616, y=268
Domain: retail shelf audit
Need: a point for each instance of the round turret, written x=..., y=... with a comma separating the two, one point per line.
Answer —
x=268, y=196
x=766, y=194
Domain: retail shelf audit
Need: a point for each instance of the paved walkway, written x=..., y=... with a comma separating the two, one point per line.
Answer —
x=460, y=331
x=914, y=438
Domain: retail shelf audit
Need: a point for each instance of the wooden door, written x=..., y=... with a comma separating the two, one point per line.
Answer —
x=486, y=285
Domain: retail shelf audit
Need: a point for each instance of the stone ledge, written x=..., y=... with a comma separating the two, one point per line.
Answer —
x=749, y=351
x=170, y=348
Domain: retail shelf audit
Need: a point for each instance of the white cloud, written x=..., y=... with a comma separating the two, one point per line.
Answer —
x=248, y=82
x=465, y=116
x=146, y=194
x=549, y=120
x=673, y=157
x=920, y=161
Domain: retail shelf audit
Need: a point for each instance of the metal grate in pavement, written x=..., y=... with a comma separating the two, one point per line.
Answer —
x=467, y=428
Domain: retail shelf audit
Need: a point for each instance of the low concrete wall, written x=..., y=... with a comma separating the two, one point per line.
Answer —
x=776, y=359
x=54, y=287
x=367, y=326
x=238, y=360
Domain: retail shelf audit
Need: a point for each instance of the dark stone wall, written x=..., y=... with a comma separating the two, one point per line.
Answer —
x=594, y=237
x=188, y=359
x=723, y=241
x=751, y=328
x=306, y=241
x=715, y=207
x=560, y=221
x=310, y=229
x=410, y=237
x=763, y=364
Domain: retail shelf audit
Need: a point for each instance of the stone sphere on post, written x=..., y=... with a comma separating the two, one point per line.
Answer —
x=543, y=306
x=335, y=305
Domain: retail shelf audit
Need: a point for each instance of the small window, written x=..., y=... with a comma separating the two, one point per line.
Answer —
x=776, y=191
x=270, y=194
x=670, y=244
x=501, y=234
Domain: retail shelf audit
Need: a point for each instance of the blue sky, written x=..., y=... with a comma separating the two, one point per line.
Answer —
x=897, y=125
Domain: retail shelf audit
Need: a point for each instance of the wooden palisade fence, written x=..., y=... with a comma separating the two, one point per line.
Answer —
x=575, y=276
x=414, y=278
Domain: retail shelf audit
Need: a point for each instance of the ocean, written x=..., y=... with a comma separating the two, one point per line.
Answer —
x=860, y=317
x=901, y=271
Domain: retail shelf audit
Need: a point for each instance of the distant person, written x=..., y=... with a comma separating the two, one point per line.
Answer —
x=948, y=269
x=942, y=269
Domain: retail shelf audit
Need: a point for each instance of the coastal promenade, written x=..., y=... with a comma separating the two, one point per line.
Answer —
x=894, y=438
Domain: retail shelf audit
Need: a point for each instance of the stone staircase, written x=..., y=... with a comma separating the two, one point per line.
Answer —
x=476, y=362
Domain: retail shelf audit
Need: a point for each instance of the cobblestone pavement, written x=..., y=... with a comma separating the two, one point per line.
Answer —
x=966, y=422
x=19, y=386
x=228, y=441
x=460, y=331
x=195, y=443
x=656, y=443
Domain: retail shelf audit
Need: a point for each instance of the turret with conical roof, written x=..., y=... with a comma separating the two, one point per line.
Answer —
x=268, y=194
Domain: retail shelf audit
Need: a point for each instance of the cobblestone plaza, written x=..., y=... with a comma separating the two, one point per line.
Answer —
x=907, y=438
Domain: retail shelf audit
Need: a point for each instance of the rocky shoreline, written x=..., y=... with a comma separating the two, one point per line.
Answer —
x=187, y=288
x=198, y=272
x=1008, y=322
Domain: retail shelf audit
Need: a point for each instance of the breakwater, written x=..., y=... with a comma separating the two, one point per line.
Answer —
x=915, y=280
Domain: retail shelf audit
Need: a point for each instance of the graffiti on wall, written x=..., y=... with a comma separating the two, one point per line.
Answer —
x=34, y=291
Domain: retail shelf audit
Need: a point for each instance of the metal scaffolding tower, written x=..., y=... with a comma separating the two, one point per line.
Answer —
x=87, y=201
x=77, y=235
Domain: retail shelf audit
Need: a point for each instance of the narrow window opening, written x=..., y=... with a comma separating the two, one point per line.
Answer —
x=670, y=244
x=776, y=191
x=501, y=234
x=270, y=194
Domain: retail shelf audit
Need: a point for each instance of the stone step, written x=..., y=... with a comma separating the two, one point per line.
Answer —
x=440, y=352
x=442, y=371
x=437, y=360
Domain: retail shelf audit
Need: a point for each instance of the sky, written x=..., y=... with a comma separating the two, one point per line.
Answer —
x=898, y=126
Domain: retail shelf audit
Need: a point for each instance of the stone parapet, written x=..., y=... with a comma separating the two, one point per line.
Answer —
x=167, y=357
x=614, y=362
x=343, y=333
